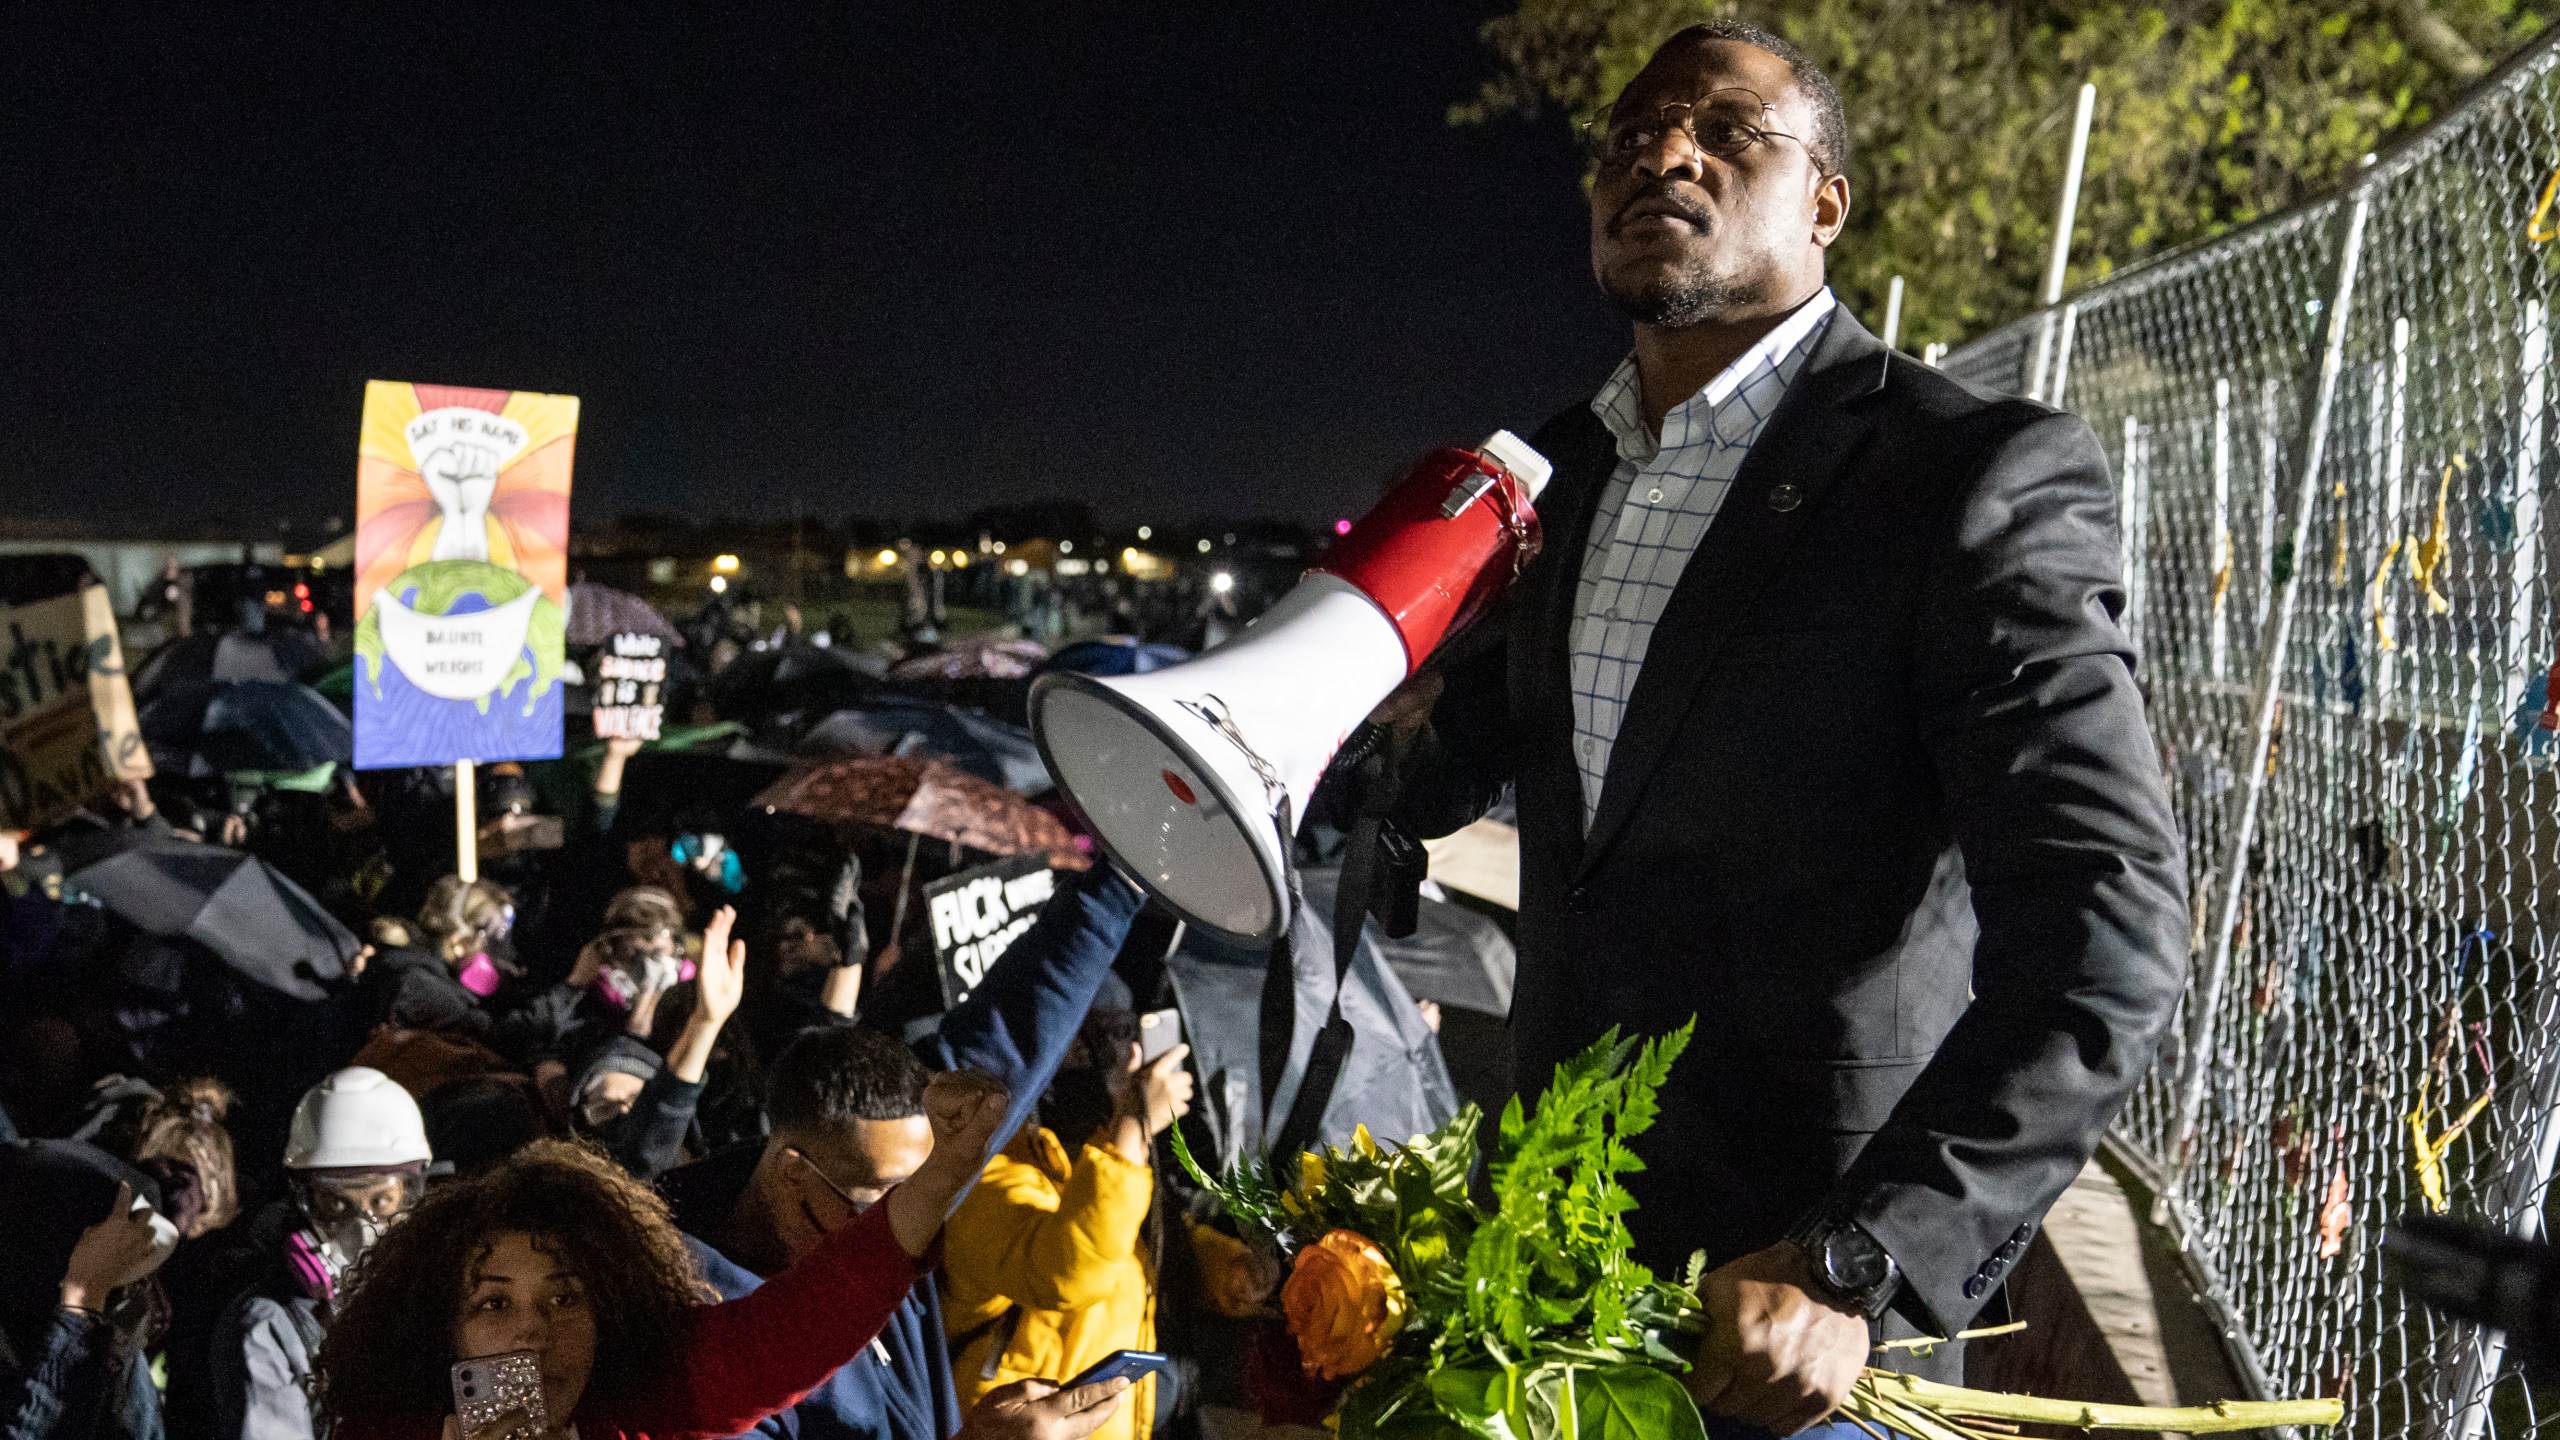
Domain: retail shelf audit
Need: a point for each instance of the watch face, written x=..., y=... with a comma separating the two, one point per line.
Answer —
x=1852, y=1260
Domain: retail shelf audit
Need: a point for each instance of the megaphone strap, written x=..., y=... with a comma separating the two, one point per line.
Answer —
x=1212, y=712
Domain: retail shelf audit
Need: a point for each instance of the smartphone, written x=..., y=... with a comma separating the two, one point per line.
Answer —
x=1158, y=1031
x=1129, y=1365
x=492, y=1385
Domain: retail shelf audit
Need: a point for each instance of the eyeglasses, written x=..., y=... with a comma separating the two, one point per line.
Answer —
x=1722, y=123
x=856, y=1205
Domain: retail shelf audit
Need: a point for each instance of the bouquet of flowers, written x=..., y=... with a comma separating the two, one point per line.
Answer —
x=1524, y=1316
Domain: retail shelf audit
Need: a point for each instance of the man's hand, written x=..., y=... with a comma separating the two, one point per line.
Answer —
x=1408, y=705
x=1038, y=1410
x=964, y=1108
x=1779, y=1354
x=8, y=851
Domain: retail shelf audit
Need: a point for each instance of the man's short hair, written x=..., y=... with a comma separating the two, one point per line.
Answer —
x=1829, y=142
x=840, y=1074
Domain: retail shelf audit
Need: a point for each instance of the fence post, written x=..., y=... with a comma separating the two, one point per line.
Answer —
x=2059, y=261
x=2233, y=870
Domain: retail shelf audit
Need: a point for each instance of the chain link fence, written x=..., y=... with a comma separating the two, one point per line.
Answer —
x=2339, y=580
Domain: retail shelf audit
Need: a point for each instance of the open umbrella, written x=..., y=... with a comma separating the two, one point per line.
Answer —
x=807, y=679
x=1115, y=655
x=925, y=797
x=970, y=739
x=597, y=613
x=232, y=726
x=192, y=662
x=238, y=906
x=975, y=660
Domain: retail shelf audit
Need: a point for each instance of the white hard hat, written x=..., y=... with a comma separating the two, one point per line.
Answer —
x=358, y=1118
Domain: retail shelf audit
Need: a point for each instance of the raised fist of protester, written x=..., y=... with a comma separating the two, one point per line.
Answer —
x=965, y=1108
x=1778, y=1354
x=111, y=1254
x=1038, y=1410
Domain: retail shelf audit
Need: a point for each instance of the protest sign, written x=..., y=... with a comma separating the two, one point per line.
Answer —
x=631, y=670
x=462, y=534
x=67, y=729
x=978, y=913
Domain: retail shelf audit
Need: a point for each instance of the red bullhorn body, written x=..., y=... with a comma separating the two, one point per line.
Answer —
x=1195, y=776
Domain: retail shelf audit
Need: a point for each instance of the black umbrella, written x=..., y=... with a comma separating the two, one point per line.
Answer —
x=195, y=661
x=804, y=679
x=236, y=725
x=238, y=906
x=971, y=740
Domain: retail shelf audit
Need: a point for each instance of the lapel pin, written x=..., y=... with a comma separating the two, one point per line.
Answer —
x=1784, y=498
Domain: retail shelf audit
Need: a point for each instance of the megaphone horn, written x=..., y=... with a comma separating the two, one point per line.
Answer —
x=1195, y=776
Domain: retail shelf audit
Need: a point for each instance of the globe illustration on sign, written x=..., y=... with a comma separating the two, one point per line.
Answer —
x=462, y=630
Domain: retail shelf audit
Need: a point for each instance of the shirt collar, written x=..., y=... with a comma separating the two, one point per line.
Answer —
x=1620, y=403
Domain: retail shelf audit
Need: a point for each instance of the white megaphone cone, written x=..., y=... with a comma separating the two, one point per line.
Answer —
x=1194, y=777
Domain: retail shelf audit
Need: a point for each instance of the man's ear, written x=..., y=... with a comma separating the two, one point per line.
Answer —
x=1830, y=209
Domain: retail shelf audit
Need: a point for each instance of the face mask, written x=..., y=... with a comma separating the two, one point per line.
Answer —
x=320, y=1257
x=479, y=975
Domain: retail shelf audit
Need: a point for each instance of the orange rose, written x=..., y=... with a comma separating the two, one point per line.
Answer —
x=1345, y=1304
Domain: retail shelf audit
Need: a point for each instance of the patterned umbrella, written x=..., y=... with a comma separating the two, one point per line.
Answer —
x=925, y=797
x=1003, y=660
x=597, y=613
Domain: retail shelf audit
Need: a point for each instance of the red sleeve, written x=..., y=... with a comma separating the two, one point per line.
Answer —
x=750, y=1357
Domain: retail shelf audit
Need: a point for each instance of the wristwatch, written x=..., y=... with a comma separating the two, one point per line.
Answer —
x=1849, y=1263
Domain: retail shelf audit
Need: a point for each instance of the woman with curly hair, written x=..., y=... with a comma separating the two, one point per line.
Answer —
x=559, y=1253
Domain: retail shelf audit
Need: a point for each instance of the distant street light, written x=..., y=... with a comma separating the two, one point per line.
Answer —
x=888, y=557
x=1222, y=582
x=719, y=584
x=725, y=564
x=1146, y=532
x=1204, y=547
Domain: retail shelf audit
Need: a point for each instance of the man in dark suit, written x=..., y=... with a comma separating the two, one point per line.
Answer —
x=1823, y=731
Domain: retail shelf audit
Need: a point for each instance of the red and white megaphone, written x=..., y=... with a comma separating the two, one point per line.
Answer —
x=1194, y=777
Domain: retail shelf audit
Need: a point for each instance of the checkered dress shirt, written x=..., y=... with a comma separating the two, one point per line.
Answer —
x=1656, y=507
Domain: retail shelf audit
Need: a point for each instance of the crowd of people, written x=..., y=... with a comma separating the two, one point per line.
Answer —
x=659, y=1105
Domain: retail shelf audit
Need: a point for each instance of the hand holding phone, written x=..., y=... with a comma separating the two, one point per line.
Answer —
x=499, y=1397
x=1129, y=1365
x=1158, y=1031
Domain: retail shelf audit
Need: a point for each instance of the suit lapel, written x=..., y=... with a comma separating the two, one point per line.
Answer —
x=1806, y=445
x=1585, y=455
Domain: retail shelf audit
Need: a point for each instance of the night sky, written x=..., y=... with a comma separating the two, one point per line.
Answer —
x=903, y=260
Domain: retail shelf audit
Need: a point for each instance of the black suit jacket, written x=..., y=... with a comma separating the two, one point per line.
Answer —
x=1884, y=814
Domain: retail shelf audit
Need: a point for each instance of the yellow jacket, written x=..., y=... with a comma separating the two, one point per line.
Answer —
x=1057, y=1244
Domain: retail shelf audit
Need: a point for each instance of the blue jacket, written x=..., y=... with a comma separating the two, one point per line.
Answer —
x=1016, y=1026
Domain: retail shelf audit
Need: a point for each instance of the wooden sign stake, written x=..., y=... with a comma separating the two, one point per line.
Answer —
x=466, y=823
